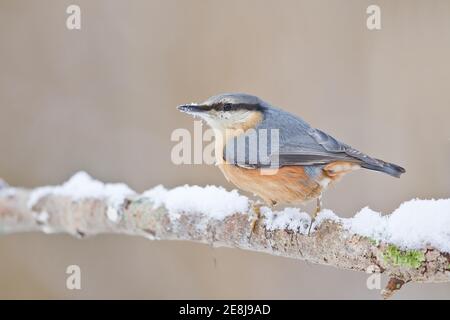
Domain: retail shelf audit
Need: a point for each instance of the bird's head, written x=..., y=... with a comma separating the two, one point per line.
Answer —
x=228, y=111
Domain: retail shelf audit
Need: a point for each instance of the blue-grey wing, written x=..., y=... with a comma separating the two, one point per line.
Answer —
x=320, y=148
x=284, y=139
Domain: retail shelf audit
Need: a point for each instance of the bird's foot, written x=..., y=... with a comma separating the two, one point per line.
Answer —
x=310, y=225
x=316, y=212
x=257, y=210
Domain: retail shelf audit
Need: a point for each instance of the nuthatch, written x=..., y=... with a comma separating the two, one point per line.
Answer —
x=308, y=159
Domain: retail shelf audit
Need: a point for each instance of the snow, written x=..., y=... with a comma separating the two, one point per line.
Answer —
x=42, y=217
x=326, y=214
x=112, y=214
x=290, y=218
x=294, y=219
x=415, y=224
x=8, y=192
x=211, y=201
x=82, y=186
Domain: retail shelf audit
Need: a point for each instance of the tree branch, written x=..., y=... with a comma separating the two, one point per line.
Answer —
x=330, y=243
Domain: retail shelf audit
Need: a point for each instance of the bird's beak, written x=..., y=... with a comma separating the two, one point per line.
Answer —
x=193, y=108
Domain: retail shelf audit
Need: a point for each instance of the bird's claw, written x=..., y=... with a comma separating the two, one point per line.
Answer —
x=316, y=213
x=253, y=223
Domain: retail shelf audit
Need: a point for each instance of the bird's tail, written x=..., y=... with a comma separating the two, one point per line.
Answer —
x=386, y=167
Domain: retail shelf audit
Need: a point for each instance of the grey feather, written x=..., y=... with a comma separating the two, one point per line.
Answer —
x=299, y=144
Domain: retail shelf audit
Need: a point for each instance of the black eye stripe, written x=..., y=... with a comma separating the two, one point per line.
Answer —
x=227, y=107
x=236, y=106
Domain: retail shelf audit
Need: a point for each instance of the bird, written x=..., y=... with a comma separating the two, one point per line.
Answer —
x=306, y=160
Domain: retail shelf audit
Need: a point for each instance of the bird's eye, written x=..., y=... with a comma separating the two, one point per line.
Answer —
x=227, y=107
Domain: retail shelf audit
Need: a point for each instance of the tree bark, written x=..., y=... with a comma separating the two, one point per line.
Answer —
x=330, y=244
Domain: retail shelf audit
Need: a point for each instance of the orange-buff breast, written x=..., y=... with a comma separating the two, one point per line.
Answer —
x=289, y=185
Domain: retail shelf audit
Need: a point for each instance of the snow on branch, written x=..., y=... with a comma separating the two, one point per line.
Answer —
x=410, y=245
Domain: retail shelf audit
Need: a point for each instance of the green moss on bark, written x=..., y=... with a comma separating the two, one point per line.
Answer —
x=408, y=258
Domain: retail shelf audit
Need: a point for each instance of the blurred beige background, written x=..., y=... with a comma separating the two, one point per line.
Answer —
x=103, y=100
